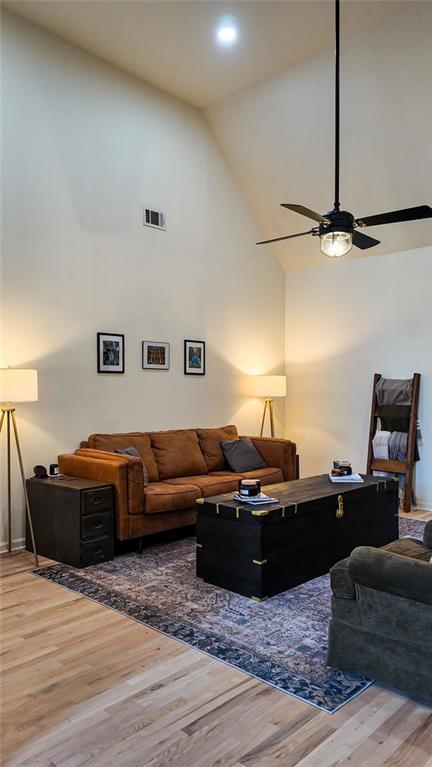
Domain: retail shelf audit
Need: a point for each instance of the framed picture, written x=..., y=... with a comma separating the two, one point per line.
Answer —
x=155, y=355
x=110, y=353
x=194, y=358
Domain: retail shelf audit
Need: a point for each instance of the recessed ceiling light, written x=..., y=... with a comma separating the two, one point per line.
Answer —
x=226, y=31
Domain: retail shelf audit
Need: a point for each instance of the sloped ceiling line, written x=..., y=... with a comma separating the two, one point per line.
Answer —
x=269, y=101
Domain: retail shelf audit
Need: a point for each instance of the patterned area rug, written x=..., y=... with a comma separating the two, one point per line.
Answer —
x=282, y=641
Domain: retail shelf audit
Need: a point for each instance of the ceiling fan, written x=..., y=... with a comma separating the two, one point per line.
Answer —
x=338, y=230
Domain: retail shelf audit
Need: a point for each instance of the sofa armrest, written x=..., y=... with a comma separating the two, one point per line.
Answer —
x=427, y=535
x=278, y=453
x=125, y=475
x=392, y=573
x=134, y=474
x=111, y=472
x=342, y=585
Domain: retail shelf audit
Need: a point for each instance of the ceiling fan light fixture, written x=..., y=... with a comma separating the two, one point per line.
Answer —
x=336, y=244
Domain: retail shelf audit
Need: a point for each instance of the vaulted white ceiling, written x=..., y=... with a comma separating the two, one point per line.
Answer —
x=269, y=100
x=171, y=44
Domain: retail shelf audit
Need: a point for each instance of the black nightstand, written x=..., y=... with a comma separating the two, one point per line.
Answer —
x=73, y=519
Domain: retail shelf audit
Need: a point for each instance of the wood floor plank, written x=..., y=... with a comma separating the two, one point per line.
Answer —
x=290, y=744
x=341, y=744
x=83, y=686
x=386, y=740
x=416, y=749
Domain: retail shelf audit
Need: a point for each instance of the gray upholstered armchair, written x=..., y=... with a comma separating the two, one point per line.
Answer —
x=381, y=624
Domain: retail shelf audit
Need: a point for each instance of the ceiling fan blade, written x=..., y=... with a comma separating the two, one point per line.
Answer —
x=305, y=212
x=363, y=241
x=288, y=237
x=407, y=214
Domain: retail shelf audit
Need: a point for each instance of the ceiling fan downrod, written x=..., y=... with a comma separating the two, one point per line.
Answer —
x=337, y=103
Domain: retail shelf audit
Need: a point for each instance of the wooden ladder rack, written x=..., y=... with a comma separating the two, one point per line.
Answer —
x=399, y=467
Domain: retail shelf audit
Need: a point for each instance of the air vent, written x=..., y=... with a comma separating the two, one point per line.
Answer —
x=154, y=218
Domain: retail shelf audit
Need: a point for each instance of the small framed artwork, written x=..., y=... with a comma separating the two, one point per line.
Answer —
x=155, y=355
x=110, y=353
x=194, y=358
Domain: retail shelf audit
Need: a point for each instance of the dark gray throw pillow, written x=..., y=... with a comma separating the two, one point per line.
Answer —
x=132, y=451
x=242, y=455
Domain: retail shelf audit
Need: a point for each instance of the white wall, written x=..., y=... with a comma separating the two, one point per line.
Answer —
x=85, y=147
x=344, y=322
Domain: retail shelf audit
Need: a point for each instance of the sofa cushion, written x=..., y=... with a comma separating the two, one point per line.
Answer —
x=139, y=440
x=210, y=444
x=241, y=455
x=209, y=484
x=160, y=496
x=268, y=476
x=177, y=453
x=409, y=547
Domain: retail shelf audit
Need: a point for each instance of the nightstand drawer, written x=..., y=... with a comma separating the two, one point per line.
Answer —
x=96, y=550
x=96, y=525
x=96, y=500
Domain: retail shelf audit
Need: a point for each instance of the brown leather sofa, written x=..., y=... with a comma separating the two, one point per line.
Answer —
x=182, y=466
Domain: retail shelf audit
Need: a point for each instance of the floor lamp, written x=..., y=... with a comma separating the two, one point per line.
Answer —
x=269, y=387
x=16, y=385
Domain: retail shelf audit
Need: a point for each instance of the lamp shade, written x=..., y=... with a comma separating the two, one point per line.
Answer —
x=269, y=386
x=18, y=385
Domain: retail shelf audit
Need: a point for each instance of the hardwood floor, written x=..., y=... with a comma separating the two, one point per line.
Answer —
x=416, y=514
x=83, y=685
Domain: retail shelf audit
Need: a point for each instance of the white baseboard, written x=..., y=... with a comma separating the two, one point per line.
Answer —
x=423, y=507
x=17, y=543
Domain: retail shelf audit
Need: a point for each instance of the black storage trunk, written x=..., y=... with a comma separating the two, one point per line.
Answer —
x=262, y=551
